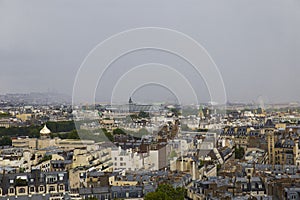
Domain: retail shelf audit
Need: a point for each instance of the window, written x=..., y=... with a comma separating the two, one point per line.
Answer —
x=31, y=189
x=61, y=187
x=22, y=190
x=41, y=188
x=11, y=190
x=51, y=188
x=51, y=179
x=121, y=159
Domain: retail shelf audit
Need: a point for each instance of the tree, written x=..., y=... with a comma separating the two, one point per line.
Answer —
x=166, y=192
x=143, y=114
x=119, y=131
x=5, y=141
x=4, y=115
x=157, y=196
x=239, y=153
x=176, y=111
x=73, y=135
x=173, y=154
x=108, y=134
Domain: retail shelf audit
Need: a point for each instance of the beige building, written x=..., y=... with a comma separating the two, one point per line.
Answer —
x=282, y=148
x=46, y=141
x=24, y=117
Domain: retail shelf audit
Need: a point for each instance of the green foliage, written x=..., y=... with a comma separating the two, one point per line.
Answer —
x=133, y=116
x=34, y=131
x=202, y=130
x=108, y=135
x=173, y=154
x=239, y=153
x=4, y=115
x=119, y=131
x=73, y=135
x=22, y=170
x=5, y=141
x=176, y=111
x=69, y=135
x=21, y=131
x=166, y=192
x=157, y=196
x=219, y=167
x=61, y=126
x=201, y=164
x=143, y=114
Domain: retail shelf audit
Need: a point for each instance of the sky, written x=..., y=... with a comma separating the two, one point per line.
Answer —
x=254, y=44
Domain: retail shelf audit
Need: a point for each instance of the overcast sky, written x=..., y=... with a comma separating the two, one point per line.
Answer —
x=255, y=44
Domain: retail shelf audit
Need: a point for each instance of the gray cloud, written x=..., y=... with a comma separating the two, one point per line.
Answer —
x=255, y=44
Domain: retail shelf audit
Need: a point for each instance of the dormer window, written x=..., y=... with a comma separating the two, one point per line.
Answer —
x=21, y=190
x=11, y=190
x=61, y=187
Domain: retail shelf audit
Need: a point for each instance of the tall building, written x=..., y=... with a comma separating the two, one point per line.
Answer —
x=283, y=148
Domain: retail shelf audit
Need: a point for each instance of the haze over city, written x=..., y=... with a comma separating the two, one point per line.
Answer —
x=255, y=45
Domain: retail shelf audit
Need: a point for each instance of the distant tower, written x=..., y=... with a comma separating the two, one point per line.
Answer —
x=271, y=144
x=130, y=101
x=130, y=105
x=45, y=133
x=269, y=130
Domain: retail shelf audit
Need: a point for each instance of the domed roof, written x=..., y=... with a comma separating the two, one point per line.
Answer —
x=45, y=131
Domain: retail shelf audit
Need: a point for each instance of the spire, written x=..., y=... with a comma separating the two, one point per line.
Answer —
x=130, y=101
